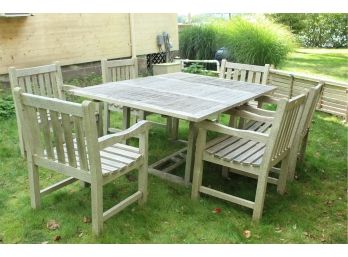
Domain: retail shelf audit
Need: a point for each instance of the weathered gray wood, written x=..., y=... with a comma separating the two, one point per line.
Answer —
x=180, y=95
x=123, y=204
x=253, y=150
x=57, y=186
x=227, y=197
x=83, y=157
x=244, y=72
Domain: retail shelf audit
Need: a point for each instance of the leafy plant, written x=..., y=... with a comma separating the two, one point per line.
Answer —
x=7, y=108
x=198, y=69
x=316, y=30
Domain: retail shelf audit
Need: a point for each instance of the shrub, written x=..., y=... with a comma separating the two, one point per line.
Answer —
x=257, y=42
x=254, y=42
x=7, y=108
x=198, y=42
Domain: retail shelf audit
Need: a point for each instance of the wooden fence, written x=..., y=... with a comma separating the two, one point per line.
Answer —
x=334, y=97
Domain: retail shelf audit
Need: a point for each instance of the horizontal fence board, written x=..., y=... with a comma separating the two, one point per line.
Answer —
x=334, y=97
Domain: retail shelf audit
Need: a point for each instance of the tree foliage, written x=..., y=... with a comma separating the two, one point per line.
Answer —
x=316, y=30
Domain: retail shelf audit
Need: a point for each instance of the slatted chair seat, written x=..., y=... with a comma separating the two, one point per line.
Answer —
x=239, y=150
x=114, y=159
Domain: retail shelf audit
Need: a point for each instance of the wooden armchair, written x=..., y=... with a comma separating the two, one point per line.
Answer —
x=300, y=142
x=250, y=152
x=69, y=144
x=44, y=80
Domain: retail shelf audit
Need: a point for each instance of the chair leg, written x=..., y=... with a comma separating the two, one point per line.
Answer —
x=260, y=195
x=97, y=208
x=303, y=148
x=198, y=165
x=142, y=183
x=292, y=160
x=283, y=176
x=34, y=185
x=169, y=126
x=175, y=128
x=126, y=118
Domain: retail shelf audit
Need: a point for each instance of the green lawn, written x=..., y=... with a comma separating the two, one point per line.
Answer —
x=327, y=63
x=312, y=211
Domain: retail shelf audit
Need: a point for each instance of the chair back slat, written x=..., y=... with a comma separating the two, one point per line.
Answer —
x=244, y=72
x=56, y=130
x=68, y=136
x=45, y=126
x=118, y=70
x=80, y=142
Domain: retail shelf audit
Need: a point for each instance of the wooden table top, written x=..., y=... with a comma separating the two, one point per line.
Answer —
x=181, y=95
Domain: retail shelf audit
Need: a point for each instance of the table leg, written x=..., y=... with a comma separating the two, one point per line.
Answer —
x=191, y=147
x=100, y=106
x=126, y=117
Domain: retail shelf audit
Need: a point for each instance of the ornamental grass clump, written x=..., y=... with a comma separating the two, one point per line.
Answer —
x=198, y=42
x=255, y=42
x=258, y=41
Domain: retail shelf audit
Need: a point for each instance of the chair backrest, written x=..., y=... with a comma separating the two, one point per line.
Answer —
x=309, y=109
x=284, y=128
x=244, y=72
x=42, y=80
x=118, y=70
x=66, y=133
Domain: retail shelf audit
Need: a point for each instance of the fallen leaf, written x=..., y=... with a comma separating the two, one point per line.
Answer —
x=247, y=233
x=278, y=230
x=217, y=210
x=44, y=242
x=81, y=234
x=52, y=225
x=57, y=238
x=86, y=219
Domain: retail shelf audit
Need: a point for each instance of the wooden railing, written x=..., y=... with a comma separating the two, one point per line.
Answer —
x=333, y=99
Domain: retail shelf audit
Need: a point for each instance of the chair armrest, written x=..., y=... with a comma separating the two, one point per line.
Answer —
x=247, y=134
x=134, y=131
x=256, y=110
x=66, y=88
x=267, y=99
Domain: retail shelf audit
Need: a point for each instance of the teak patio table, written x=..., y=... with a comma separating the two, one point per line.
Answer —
x=180, y=95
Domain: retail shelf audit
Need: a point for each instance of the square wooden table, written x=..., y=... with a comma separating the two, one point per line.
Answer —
x=180, y=95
